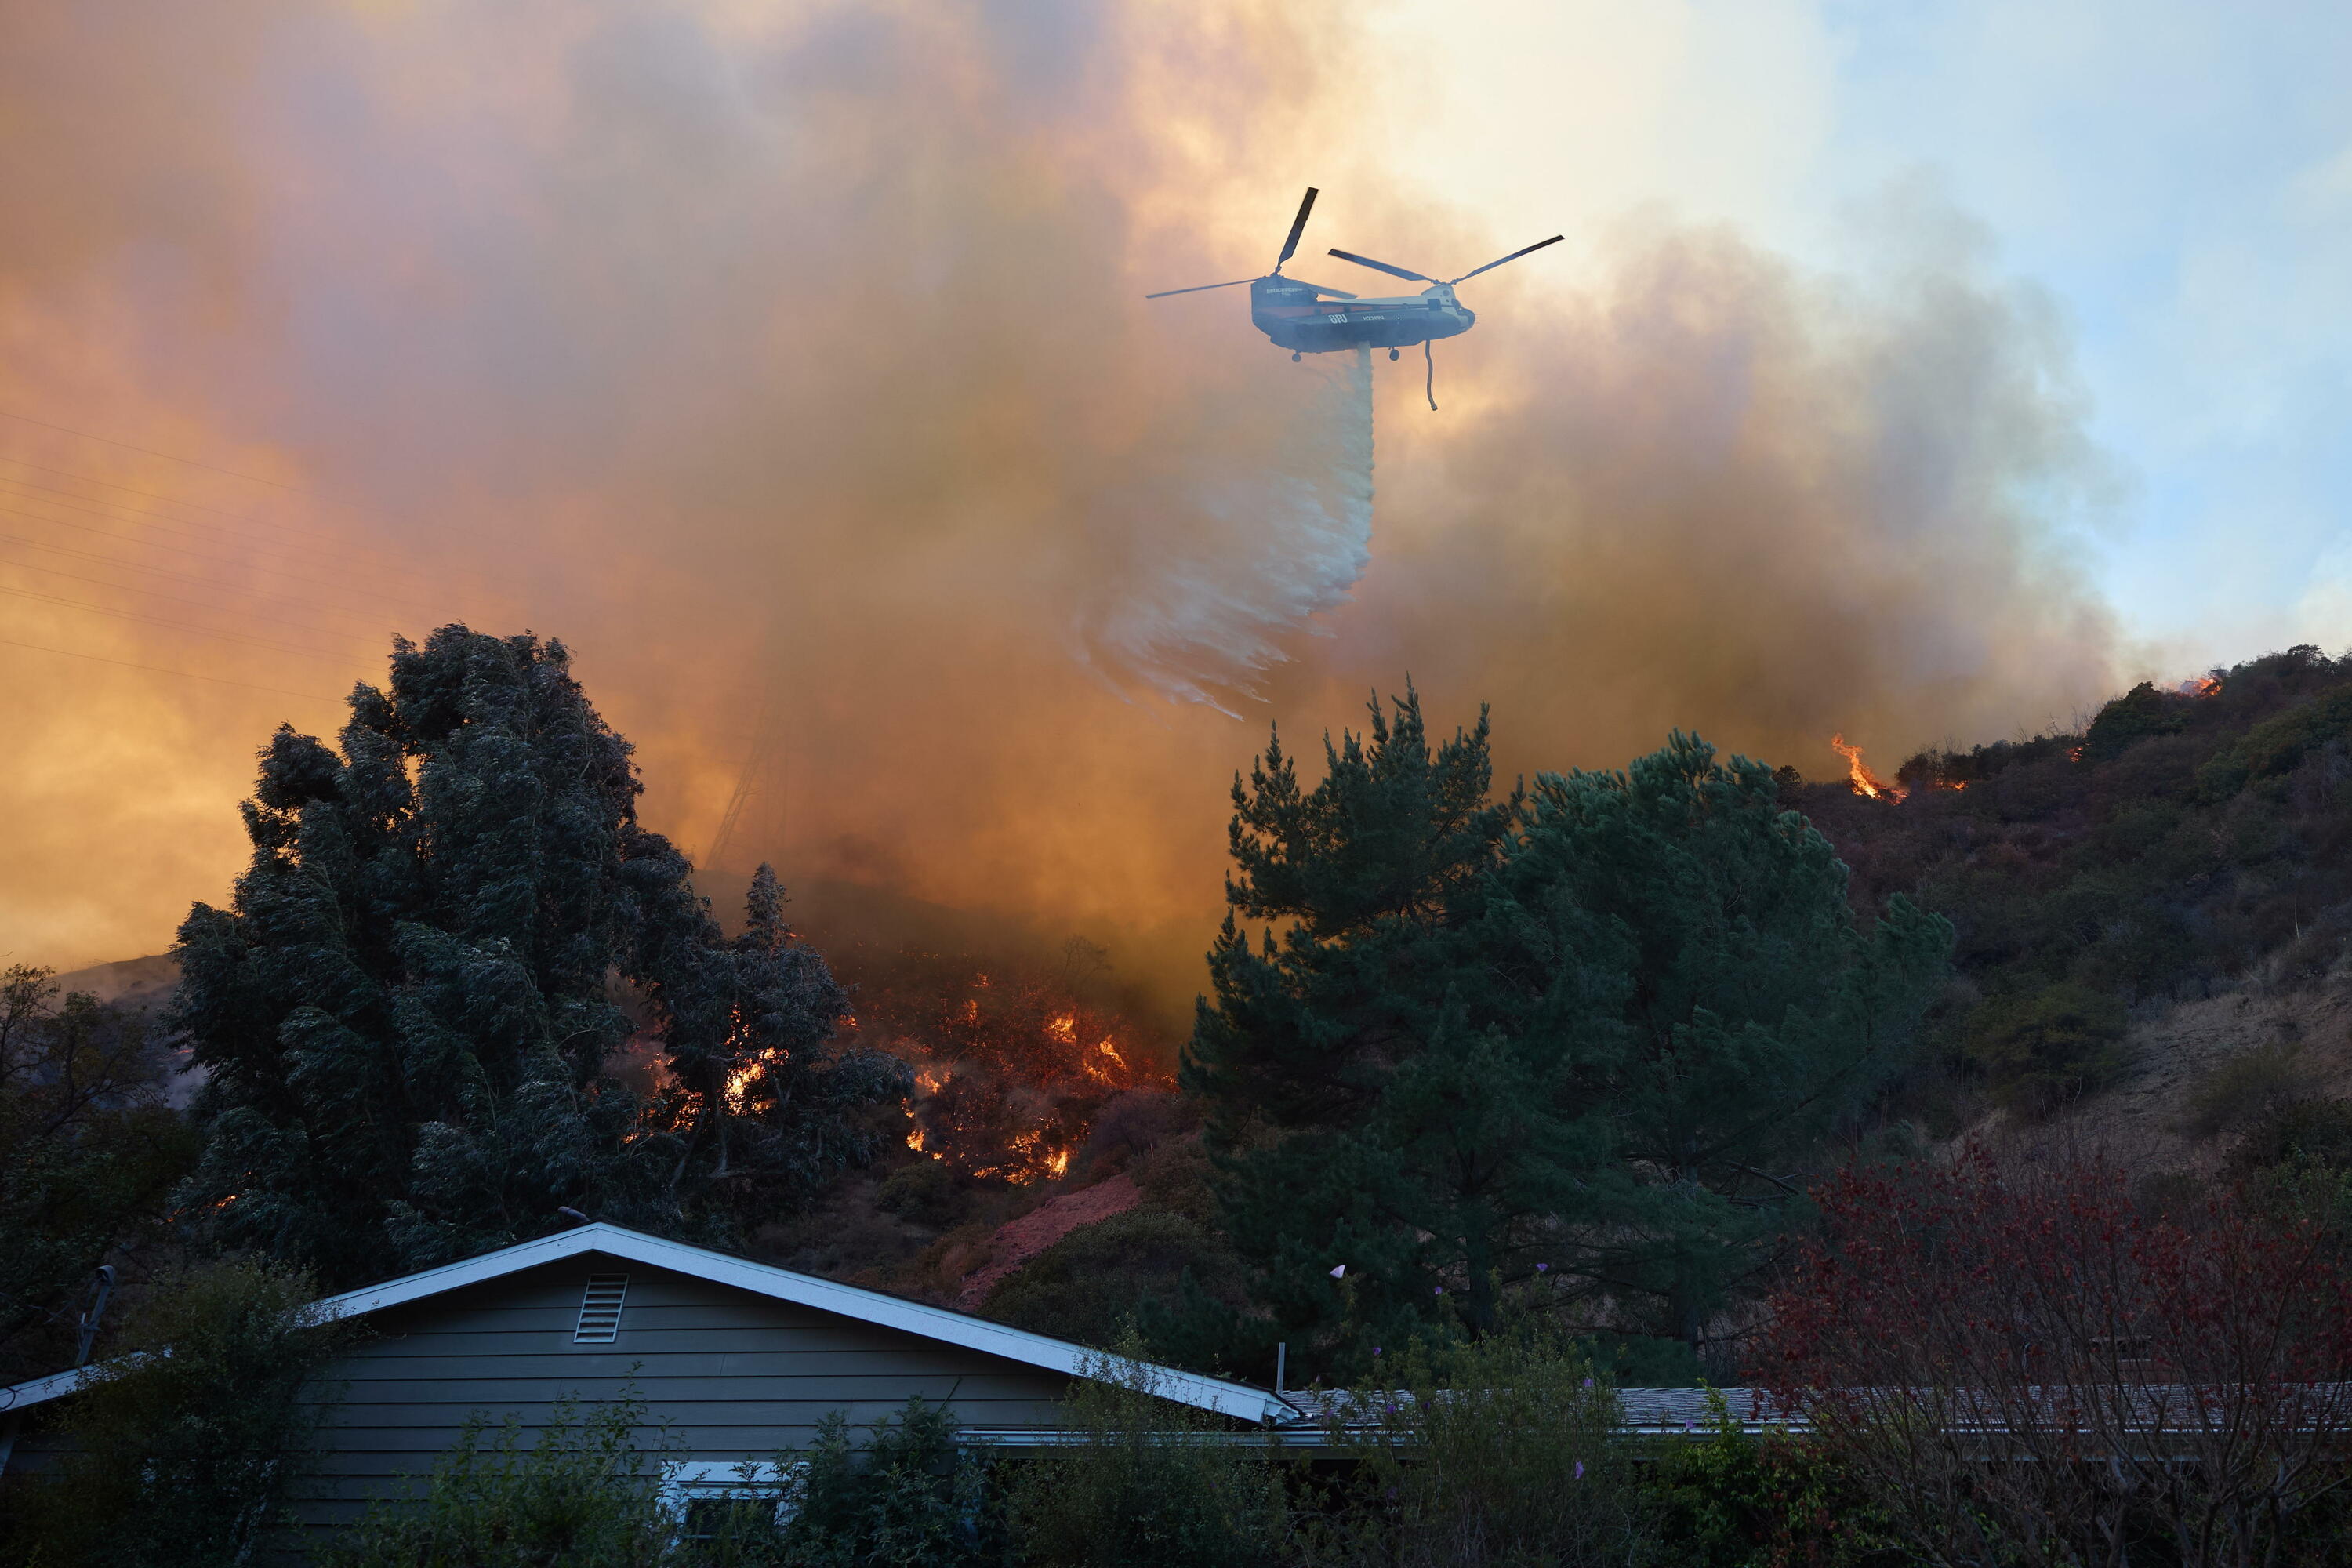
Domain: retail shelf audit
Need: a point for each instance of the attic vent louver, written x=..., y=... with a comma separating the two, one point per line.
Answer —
x=600, y=1310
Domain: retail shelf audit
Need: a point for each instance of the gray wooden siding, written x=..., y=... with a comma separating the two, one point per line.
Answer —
x=732, y=1375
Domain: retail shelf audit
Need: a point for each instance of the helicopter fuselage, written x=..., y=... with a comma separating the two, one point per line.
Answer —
x=1299, y=317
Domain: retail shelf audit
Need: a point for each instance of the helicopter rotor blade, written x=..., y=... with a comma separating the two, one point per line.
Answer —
x=1298, y=228
x=1196, y=287
x=1335, y=293
x=1539, y=245
x=1384, y=266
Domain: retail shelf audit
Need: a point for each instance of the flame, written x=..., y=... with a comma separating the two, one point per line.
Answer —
x=1064, y=1029
x=930, y=1079
x=747, y=1072
x=2200, y=685
x=1058, y=1161
x=914, y=1139
x=2073, y=753
x=1866, y=783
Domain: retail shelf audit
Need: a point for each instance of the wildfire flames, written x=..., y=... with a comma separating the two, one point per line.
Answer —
x=1010, y=1065
x=2198, y=686
x=1866, y=783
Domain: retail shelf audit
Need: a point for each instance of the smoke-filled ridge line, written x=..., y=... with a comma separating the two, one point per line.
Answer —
x=159, y=669
x=182, y=626
x=176, y=457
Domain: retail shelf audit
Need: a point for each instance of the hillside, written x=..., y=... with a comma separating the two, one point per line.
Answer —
x=2152, y=914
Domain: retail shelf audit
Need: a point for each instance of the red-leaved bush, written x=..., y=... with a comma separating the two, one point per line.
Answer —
x=2024, y=1367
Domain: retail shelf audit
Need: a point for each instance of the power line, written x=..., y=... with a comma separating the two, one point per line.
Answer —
x=182, y=550
x=111, y=511
x=182, y=626
x=159, y=669
x=179, y=599
x=174, y=457
x=151, y=495
x=311, y=600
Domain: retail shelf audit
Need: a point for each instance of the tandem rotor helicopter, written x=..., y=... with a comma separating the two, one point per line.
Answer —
x=1309, y=318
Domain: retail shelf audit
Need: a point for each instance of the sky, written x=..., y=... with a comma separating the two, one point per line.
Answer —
x=1925, y=374
x=2177, y=178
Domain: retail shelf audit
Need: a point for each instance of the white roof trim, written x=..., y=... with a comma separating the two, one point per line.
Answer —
x=1201, y=1393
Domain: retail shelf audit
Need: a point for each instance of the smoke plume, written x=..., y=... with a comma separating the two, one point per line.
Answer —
x=793, y=368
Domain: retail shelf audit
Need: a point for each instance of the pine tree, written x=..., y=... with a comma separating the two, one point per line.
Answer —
x=407, y=1014
x=1730, y=1010
x=1579, y=1031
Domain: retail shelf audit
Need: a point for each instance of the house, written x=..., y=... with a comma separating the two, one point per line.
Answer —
x=739, y=1361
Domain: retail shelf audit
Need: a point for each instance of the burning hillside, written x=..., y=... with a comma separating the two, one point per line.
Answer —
x=1012, y=1058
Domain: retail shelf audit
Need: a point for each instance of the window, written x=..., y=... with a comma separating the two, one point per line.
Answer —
x=600, y=1310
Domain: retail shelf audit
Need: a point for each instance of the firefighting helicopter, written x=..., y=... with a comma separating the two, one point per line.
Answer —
x=1303, y=318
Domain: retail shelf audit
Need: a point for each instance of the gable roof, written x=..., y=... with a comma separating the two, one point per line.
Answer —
x=1202, y=1393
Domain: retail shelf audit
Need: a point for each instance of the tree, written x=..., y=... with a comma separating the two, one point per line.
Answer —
x=407, y=1014
x=89, y=1149
x=1331, y=1062
x=1724, y=1009
x=2026, y=1367
x=1582, y=1030
x=178, y=1453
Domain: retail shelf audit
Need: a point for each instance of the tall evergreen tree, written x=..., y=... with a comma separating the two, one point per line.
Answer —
x=407, y=1014
x=1579, y=1030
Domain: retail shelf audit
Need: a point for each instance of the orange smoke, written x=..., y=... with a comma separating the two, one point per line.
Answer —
x=1866, y=783
x=881, y=515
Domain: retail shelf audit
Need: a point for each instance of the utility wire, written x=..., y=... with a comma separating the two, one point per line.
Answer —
x=182, y=550
x=174, y=457
x=183, y=627
x=159, y=669
x=151, y=495
x=180, y=599
x=109, y=511
x=307, y=599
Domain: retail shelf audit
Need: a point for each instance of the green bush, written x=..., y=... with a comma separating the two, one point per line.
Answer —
x=584, y=1496
x=178, y=1454
x=588, y=1495
x=1505, y=1452
x=1733, y=1501
x=1146, y=1480
x=2040, y=1048
x=908, y=1499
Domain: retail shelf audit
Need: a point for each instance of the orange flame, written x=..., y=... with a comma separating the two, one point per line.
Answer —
x=2198, y=686
x=1866, y=783
x=744, y=1074
x=1064, y=1029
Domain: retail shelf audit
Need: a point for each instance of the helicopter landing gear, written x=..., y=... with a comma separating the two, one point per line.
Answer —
x=1294, y=357
x=1392, y=353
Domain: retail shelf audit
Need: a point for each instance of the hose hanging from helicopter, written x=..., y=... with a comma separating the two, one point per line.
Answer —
x=1429, y=388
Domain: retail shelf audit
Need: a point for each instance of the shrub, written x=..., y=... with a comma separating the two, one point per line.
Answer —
x=2028, y=1369
x=584, y=1496
x=2040, y=1048
x=1501, y=1452
x=2256, y=1082
x=1731, y=1500
x=1146, y=1480
x=179, y=1452
x=907, y=1498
